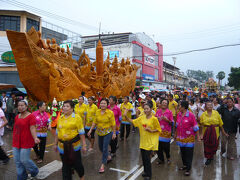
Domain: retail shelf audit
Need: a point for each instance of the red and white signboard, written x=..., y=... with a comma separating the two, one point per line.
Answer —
x=149, y=59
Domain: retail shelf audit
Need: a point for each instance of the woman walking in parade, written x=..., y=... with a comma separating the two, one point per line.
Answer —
x=81, y=109
x=42, y=121
x=24, y=138
x=126, y=106
x=186, y=129
x=193, y=107
x=166, y=121
x=106, y=130
x=3, y=122
x=70, y=133
x=149, y=130
x=118, y=117
x=210, y=122
x=91, y=116
x=201, y=108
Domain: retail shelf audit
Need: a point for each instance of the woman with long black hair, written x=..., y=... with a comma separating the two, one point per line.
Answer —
x=106, y=130
x=149, y=130
x=24, y=138
x=70, y=133
x=118, y=117
x=42, y=121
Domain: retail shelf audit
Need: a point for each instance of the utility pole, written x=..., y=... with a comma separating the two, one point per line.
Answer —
x=174, y=63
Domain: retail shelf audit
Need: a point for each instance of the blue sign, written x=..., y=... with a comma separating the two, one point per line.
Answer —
x=112, y=54
x=148, y=77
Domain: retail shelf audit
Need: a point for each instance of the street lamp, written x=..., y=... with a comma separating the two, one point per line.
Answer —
x=174, y=62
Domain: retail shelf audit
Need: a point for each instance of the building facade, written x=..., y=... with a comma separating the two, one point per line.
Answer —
x=139, y=48
x=173, y=77
x=22, y=21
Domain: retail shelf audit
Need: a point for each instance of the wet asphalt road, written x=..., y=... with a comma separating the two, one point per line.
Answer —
x=127, y=164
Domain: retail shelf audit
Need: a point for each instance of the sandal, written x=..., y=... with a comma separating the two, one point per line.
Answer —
x=101, y=170
x=160, y=162
x=182, y=168
x=109, y=159
x=90, y=149
x=39, y=161
x=187, y=173
x=231, y=158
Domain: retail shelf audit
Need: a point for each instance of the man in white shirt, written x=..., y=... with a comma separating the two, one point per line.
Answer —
x=84, y=98
x=4, y=101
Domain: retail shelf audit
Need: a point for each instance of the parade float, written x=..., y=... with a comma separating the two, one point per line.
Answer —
x=47, y=71
x=211, y=85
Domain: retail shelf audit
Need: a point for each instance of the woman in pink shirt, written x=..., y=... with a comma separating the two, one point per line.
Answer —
x=118, y=117
x=165, y=118
x=237, y=103
x=187, y=128
x=42, y=121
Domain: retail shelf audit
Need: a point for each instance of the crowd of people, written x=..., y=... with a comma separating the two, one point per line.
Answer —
x=159, y=117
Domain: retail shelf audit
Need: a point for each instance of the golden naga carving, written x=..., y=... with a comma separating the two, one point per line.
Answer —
x=47, y=71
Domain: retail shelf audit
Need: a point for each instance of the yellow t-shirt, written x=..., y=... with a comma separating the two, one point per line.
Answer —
x=91, y=115
x=70, y=127
x=171, y=106
x=81, y=111
x=154, y=105
x=148, y=140
x=104, y=122
x=141, y=111
x=214, y=119
x=129, y=113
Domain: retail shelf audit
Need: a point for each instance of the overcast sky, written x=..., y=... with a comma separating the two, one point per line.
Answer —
x=179, y=25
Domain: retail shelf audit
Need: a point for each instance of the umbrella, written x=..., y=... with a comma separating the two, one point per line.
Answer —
x=146, y=90
x=163, y=90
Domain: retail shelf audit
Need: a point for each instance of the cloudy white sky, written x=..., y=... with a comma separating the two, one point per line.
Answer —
x=179, y=25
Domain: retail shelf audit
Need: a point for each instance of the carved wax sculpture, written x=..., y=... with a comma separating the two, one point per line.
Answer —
x=47, y=71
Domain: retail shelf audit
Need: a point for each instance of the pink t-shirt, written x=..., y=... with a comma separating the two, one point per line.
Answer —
x=165, y=135
x=237, y=106
x=186, y=129
x=117, y=114
x=1, y=122
x=41, y=123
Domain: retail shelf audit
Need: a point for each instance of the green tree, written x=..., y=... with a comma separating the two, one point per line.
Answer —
x=234, y=78
x=220, y=76
x=209, y=74
x=199, y=74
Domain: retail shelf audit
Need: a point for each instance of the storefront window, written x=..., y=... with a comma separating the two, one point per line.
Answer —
x=156, y=74
x=9, y=23
x=156, y=60
x=30, y=23
x=137, y=52
x=139, y=72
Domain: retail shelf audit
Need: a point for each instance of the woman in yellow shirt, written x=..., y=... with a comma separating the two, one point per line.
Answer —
x=126, y=105
x=140, y=109
x=106, y=130
x=91, y=116
x=70, y=132
x=81, y=109
x=149, y=130
x=210, y=122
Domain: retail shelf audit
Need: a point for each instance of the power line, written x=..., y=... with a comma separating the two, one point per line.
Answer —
x=219, y=29
x=49, y=14
x=183, y=52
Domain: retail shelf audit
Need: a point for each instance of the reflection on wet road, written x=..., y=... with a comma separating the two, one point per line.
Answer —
x=127, y=164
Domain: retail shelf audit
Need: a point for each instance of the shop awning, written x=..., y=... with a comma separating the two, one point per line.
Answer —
x=23, y=90
x=6, y=86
